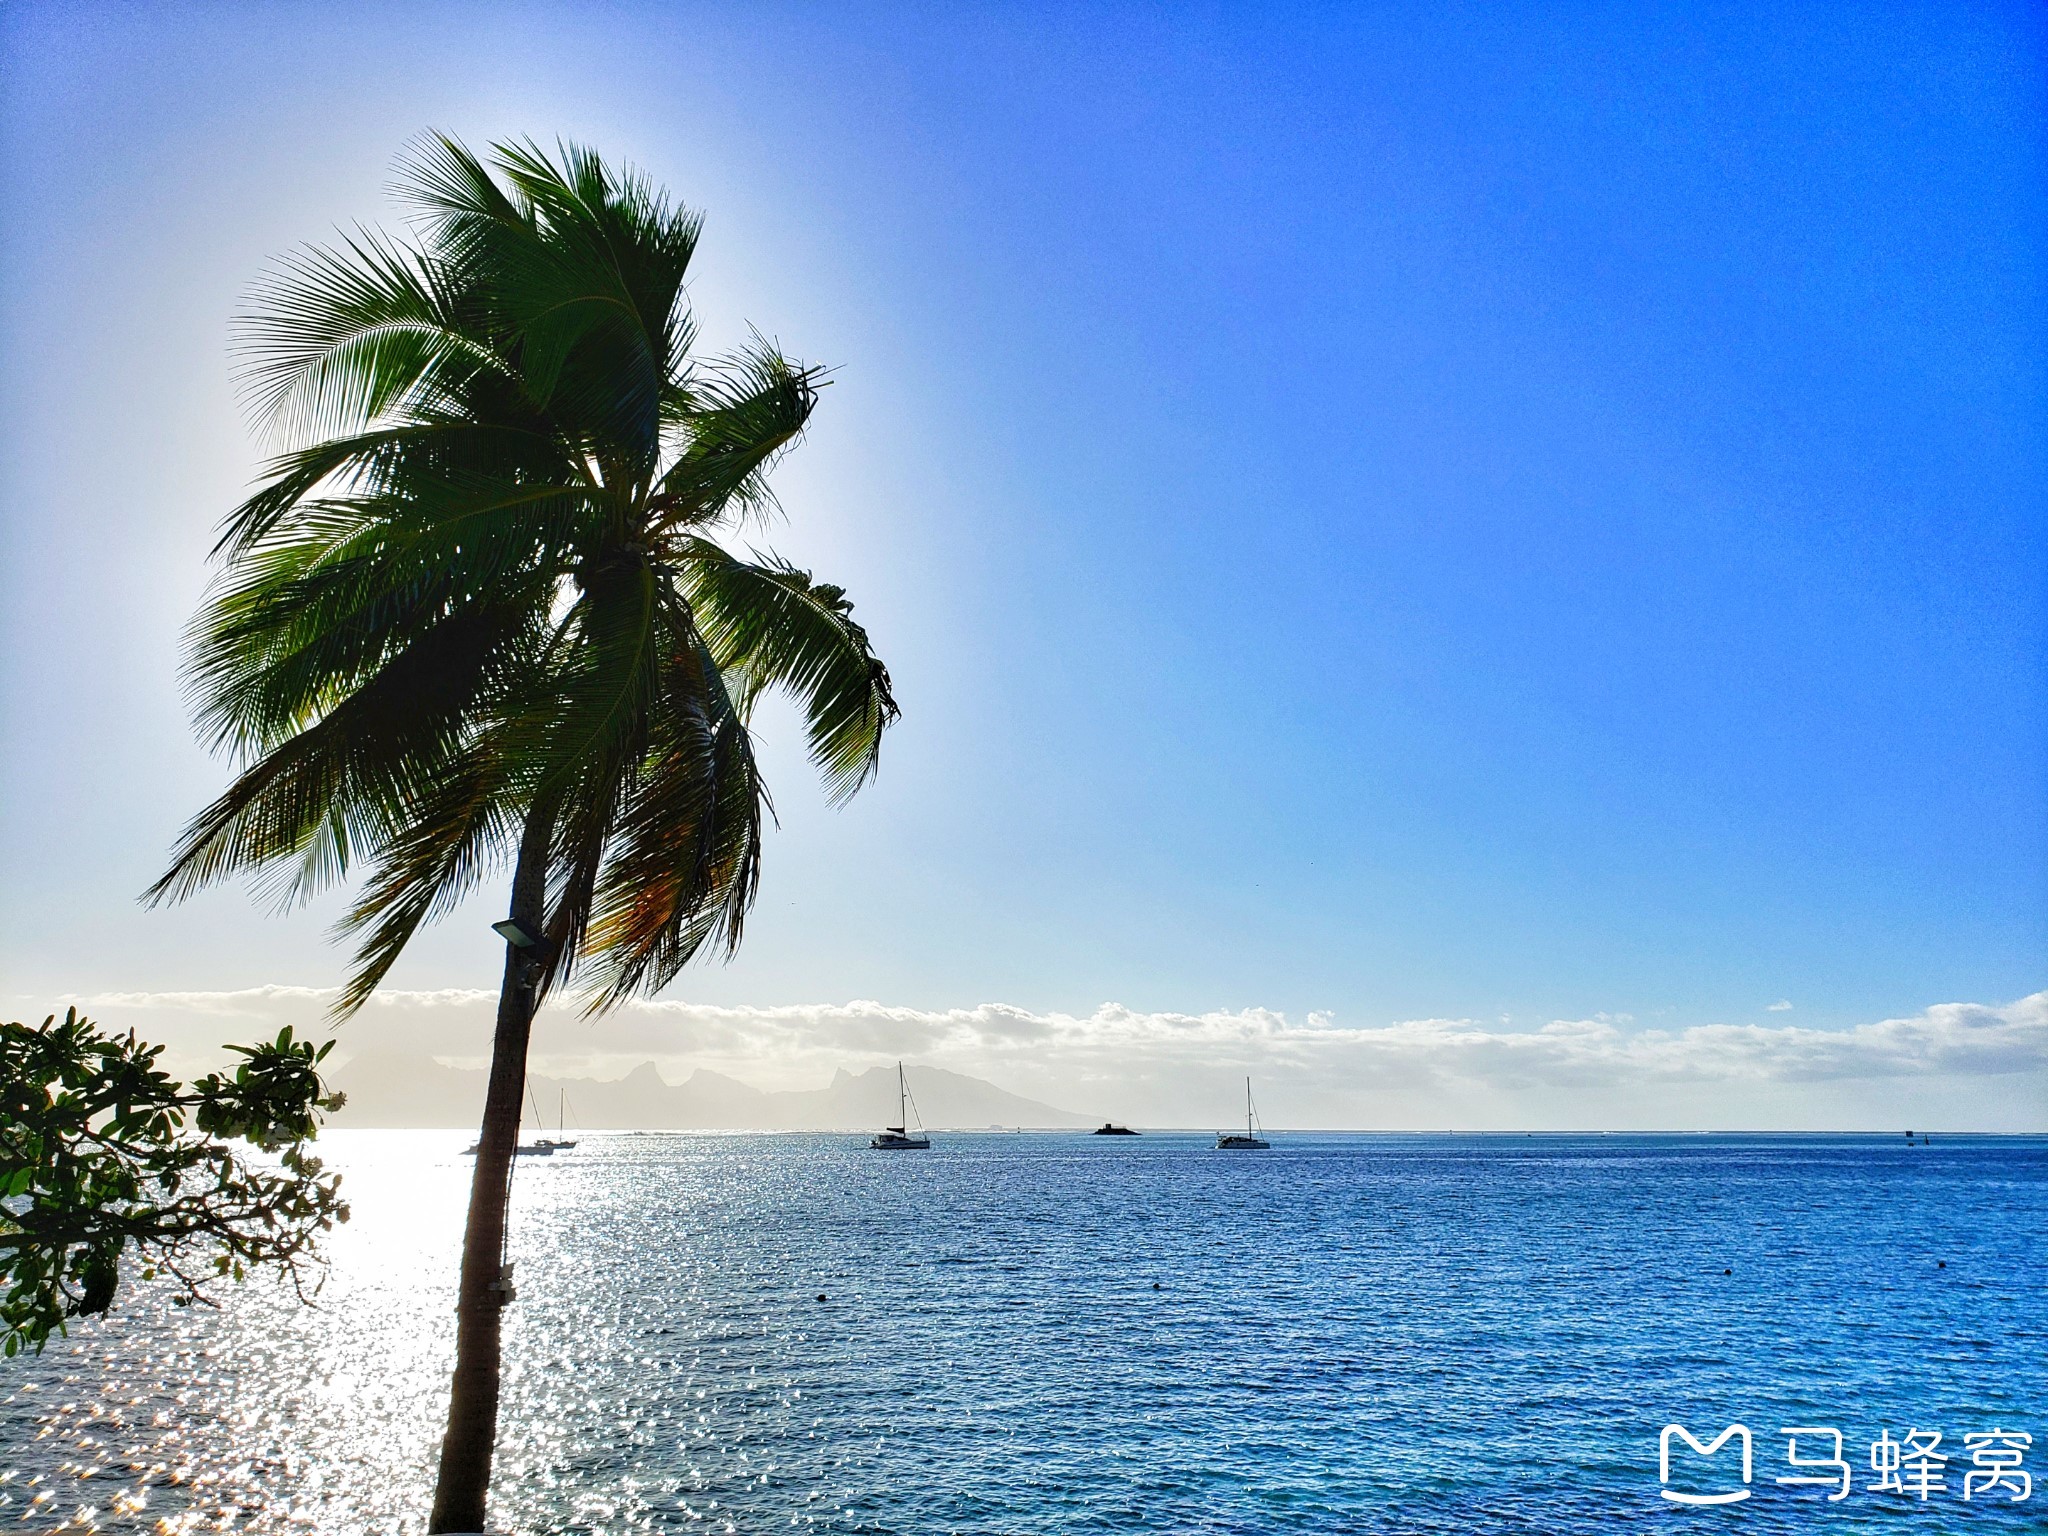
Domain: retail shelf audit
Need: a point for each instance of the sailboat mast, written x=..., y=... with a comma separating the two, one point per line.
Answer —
x=901, y=1094
x=1247, y=1108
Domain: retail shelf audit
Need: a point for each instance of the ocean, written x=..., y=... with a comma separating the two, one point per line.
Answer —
x=1058, y=1333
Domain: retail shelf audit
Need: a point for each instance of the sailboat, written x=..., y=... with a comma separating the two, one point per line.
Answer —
x=897, y=1138
x=536, y=1149
x=540, y=1146
x=555, y=1143
x=1250, y=1141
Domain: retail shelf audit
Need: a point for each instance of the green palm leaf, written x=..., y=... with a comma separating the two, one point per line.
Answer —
x=476, y=606
x=771, y=626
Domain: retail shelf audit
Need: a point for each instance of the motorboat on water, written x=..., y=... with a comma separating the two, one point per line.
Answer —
x=898, y=1137
x=1250, y=1141
x=1106, y=1129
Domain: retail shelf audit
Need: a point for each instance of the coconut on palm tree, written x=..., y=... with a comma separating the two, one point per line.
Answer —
x=475, y=618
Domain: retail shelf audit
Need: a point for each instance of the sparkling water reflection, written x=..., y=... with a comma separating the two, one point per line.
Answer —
x=1058, y=1334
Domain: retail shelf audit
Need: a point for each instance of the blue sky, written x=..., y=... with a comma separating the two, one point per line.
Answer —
x=1519, y=512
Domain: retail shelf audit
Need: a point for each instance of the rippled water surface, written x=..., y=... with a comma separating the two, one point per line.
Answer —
x=1058, y=1333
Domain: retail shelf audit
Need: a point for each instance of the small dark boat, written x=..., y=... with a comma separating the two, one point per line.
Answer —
x=1106, y=1129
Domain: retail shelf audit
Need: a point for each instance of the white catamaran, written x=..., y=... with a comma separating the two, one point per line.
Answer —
x=1250, y=1141
x=898, y=1138
x=556, y=1142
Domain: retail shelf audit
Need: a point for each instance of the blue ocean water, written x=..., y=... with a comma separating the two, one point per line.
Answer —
x=1059, y=1333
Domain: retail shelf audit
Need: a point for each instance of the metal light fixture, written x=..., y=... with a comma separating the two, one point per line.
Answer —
x=513, y=933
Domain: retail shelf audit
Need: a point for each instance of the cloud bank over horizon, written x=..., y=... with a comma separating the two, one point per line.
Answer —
x=1956, y=1066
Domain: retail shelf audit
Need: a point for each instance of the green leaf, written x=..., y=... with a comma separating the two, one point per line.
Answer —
x=182, y=1200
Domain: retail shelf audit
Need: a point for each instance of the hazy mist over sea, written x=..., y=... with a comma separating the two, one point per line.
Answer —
x=1963, y=1066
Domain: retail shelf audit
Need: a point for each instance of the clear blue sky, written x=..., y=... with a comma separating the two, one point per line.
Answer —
x=1523, y=510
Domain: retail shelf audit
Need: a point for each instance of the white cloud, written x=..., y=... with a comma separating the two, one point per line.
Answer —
x=1962, y=1065
x=1783, y=1005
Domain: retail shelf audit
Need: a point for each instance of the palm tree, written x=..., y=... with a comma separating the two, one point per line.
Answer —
x=474, y=616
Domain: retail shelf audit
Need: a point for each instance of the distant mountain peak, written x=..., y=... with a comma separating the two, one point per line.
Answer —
x=709, y=1077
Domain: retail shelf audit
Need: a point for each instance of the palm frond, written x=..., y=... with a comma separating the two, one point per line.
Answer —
x=367, y=759
x=338, y=338
x=394, y=459
x=741, y=415
x=771, y=626
x=603, y=697
x=310, y=622
x=586, y=271
x=459, y=203
x=457, y=831
x=688, y=855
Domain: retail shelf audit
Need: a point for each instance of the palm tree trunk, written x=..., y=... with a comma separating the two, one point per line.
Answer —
x=482, y=1292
